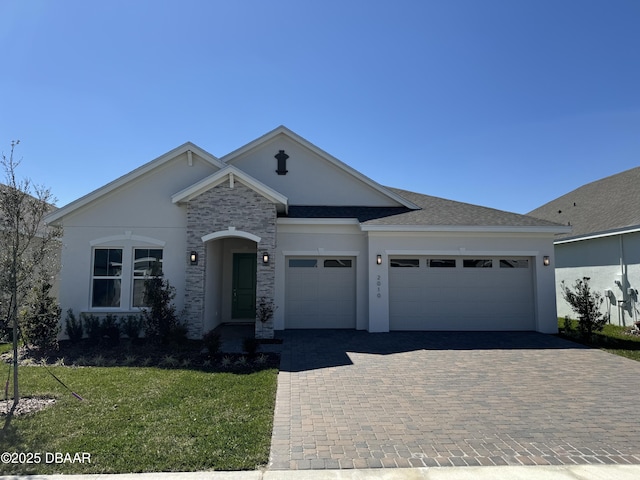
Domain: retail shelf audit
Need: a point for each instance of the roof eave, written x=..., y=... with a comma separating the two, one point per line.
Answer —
x=607, y=233
x=466, y=228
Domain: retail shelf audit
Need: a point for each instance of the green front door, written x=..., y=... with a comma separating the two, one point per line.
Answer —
x=243, y=304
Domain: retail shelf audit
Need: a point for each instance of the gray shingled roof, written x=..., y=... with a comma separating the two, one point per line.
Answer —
x=433, y=211
x=609, y=204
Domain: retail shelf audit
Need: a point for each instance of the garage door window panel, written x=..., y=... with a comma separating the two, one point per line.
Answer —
x=442, y=263
x=337, y=263
x=303, y=263
x=477, y=263
x=404, y=263
x=514, y=263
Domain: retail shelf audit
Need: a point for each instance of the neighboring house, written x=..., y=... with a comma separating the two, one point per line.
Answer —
x=282, y=220
x=604, y=244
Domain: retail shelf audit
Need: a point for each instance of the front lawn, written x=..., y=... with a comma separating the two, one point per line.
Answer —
x=613, y=339
x=136, y=419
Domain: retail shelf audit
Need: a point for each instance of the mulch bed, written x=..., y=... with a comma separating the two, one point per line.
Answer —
x=189, y=354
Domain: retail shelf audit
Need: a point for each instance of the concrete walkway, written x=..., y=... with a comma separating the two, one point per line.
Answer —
x=349, y=399
x=576, y=472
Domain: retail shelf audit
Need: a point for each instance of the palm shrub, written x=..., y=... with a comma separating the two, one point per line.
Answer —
x=586, y=304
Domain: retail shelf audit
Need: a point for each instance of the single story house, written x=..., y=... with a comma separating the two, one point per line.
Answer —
x=282, y=220
x=604, y=244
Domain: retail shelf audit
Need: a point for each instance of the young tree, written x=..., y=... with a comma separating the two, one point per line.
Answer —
x=586, y=304
x=27, y=246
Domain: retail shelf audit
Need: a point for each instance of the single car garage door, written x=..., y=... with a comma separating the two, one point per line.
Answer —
x=320, y=292
x=461, y=293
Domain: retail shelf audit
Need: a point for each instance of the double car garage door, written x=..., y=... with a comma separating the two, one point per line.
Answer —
x=425, y=293
x=459, y=293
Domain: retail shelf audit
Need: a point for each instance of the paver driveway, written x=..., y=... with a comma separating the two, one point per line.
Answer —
x=349, y=399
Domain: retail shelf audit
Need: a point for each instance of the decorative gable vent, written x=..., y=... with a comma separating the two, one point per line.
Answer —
x=282, y=162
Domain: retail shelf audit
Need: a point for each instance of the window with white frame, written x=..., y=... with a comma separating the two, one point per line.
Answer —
x=118, y=275
x=107, y=277
x=146, y=262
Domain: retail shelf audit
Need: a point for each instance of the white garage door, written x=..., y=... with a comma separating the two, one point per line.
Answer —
x=320, y=292
x=461, y=293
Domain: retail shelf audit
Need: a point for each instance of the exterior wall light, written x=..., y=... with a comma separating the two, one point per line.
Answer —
x=265, y=258
x=379, y=259
x=193, y=257
x=546, y=261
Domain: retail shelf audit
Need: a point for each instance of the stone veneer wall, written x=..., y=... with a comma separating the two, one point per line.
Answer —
x=218, y=209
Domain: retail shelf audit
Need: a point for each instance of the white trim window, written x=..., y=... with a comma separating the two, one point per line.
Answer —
x=106, y=278
x=146, y=262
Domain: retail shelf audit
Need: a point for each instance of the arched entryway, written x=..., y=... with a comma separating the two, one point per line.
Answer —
x=230, y=278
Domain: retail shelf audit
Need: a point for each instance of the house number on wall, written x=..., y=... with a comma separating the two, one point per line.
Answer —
x=378, y=283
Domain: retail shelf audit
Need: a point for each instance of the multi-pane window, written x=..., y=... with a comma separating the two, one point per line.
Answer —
x=146, y=262
x=118, y=276
x=107, y=277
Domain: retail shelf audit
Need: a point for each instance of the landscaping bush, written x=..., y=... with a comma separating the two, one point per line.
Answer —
x=212, y=342
x=131, y=326
x=92, y=327
x=110, y=330
x=250, y=345
x=160, y=318
x=41, y=319
x=73, y=327
x=586, y=304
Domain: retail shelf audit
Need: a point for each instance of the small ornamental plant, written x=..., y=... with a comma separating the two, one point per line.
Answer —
x=586, y=304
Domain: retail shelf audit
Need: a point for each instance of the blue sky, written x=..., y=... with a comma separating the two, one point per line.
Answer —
x=502, y=103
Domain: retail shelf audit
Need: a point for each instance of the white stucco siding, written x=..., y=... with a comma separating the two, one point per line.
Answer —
x=311, y=179
x=145, y=201
x=77, y=262
x=139, y=214
x=321, y=241
x=611, y=263
x=459, y=245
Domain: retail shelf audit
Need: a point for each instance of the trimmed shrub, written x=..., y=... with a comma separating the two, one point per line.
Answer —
x=250, y=345
x=160, y=318
x=73, y=327
x=41, y=319
x=131, y=326
x=212, y=342
x=92, y=327
x=110, y=330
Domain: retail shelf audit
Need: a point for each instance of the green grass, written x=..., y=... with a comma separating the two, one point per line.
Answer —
x=5, y=347
x=612, y=339
x=146, y=419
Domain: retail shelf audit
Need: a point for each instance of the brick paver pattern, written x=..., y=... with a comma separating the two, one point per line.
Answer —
x=349, y=399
